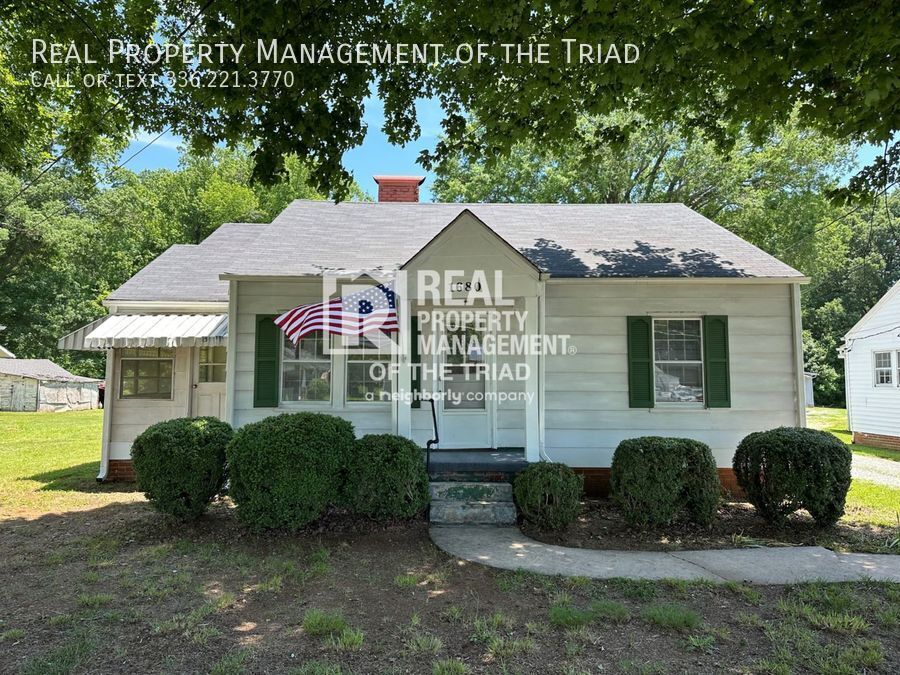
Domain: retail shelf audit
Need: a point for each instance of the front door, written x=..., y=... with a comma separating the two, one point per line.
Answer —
x=466, y=405
x=209, y=382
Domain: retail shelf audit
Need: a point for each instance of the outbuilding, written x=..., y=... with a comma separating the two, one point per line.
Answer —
x=39, y=385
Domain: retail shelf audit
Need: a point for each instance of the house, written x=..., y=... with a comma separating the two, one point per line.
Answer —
x=871, y=353
x=580, y=326
x=39, y=385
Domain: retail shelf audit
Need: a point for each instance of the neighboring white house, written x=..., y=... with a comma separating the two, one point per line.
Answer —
x=871, y=353
x=670, y=325
x=39, y=385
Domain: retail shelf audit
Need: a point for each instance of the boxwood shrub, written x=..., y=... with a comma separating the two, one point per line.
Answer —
x=386, y=478
x=655, y=480
x=786, y=469
x=548, y=494
x=286, y=469
x=180, y=464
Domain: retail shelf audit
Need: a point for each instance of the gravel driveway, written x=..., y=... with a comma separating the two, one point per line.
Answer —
x=877, y=470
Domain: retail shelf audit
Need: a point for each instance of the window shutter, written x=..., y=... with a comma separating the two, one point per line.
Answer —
x=266, y=359
x=415, y=360
x=640, y=362
x=715, y=357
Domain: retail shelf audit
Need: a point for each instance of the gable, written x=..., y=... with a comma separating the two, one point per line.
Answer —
x=885, y=311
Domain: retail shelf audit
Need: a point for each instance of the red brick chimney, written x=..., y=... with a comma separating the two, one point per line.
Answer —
x=398, y=188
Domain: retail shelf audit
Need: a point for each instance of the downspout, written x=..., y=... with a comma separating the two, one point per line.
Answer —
x=845, y=351
x=798, y=355
x=542, y=367
x=108, y=403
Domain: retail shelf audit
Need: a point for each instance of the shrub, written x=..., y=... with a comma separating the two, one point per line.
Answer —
x=656, y=479
x=387, y=477
x=286, y=469
x=548, y=494
x=788, y=468
x=180, y=464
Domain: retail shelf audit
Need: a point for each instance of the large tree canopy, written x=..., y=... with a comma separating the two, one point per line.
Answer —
x=717, y=67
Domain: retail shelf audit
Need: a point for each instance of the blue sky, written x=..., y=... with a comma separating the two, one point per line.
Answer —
x=375, y=156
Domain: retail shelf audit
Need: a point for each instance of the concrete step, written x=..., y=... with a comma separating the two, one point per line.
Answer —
x=471, y=491
x=473, y=513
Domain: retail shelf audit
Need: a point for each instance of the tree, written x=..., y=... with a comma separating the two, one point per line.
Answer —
x=715, y=67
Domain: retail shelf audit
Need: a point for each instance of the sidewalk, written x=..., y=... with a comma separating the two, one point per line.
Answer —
x=507, y=548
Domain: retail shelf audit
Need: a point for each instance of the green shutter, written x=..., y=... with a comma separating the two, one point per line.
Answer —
x=415, y=360
x=715, y=358
x=265, y=371
x=640, y=362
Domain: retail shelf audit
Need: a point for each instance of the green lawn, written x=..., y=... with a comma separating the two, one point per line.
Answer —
x=835, y=421
x=49, y=463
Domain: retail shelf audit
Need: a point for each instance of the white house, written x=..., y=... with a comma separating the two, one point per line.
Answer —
x=871, y=353
x=649, y=319
x=4, y=352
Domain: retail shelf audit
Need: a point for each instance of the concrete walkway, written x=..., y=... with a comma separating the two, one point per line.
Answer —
x=507, y=548
x=876, y=469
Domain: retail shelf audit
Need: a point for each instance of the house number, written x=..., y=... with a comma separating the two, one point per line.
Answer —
x=465, y=286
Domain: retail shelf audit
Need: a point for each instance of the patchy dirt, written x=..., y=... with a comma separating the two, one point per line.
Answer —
x=123, y=589
x=600, y=525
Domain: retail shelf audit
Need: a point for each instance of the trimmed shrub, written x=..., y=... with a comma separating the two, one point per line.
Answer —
x=387, y=478
x=786, y=469
x=657, y=479
x=286, y=469
x=548, y=494
x=180, y=464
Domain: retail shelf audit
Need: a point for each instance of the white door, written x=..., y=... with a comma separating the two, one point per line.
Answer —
x=466, y=408
x=209, y=382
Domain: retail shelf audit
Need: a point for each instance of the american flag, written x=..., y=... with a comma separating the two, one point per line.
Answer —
x=372, y=309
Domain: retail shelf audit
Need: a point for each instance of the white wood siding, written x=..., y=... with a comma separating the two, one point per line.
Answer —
x=129, y=417
x=274, y=297
x=18, y=394
x=586, y=396
x=874, y=409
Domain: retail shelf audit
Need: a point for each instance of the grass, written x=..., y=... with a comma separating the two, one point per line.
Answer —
x=348, y=640
x=319, y=622
x=449, y=667
x=423, y=643
x=834, y=420
x=671, y=617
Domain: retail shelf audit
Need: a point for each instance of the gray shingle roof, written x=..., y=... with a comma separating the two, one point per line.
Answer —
x=566, y=240
x=39, y=369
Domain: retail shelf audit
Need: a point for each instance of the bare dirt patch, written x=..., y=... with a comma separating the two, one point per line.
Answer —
x=600, y=525
x=122, y=589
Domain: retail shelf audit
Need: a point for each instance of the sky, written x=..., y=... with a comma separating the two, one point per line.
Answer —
x=375, y=156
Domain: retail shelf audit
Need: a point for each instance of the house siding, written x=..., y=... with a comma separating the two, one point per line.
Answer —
x=586, y=394
x=874, y=411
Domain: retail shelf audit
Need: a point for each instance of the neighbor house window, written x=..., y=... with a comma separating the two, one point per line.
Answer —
x=678, y=360
x=305, y=369
x=368, y=373
x=212, y=364
x=146, y=373
x=884, y=369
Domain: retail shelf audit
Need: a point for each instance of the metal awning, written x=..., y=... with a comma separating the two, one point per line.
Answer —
x=158, y=330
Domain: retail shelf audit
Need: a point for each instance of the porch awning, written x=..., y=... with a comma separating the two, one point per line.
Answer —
x=159, y=330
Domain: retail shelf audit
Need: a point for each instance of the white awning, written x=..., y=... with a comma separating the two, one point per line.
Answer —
x=159, y=330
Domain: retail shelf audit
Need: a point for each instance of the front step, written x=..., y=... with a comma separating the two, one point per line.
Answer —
x=469, y=503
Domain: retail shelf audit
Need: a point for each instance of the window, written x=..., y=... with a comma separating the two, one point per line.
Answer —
x=212, y=364
x=678, y=360
x=305, y=369
x=146, y=373
x=884, y=370
x=366, y=381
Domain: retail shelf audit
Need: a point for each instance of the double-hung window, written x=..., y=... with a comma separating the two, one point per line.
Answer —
x=678, y=360
x=146, y=373
x=368, y=373
x=884, y=369
x=306, y=369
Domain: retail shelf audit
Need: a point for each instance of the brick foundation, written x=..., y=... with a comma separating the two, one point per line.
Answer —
x=120, y=470
x=596, y=482
x=877, y=440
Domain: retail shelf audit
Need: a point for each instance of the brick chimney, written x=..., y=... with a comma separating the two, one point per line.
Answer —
x=398, y=188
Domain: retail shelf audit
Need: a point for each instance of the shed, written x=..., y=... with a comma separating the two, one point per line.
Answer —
x=39, y=385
